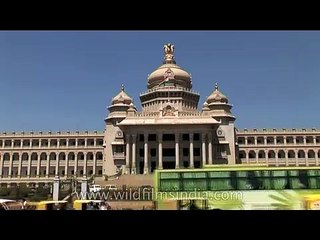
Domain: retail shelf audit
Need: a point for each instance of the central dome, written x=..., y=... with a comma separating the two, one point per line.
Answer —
x=169, y=73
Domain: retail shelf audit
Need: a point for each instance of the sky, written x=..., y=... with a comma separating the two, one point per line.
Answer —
x=64, y=80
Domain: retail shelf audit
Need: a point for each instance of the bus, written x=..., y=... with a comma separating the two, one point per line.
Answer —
x=238, y=187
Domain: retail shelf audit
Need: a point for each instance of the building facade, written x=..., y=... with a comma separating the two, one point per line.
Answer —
x=170, y=131
x=279, y=147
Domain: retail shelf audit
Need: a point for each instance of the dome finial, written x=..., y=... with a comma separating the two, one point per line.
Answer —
x=168, y=53
x=122, y=87
x=216, y=87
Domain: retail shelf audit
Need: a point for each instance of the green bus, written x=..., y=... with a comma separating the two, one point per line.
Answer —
x=238, y=187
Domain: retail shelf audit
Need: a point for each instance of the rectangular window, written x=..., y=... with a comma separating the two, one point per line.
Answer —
x=220, y=184
x=185, y=152
x=152, y=137
x=168, y=137
x=141, y=137
x=168, y=152
x=170, y=185
x=196, y=152
x=141, y=152
x=196, y=137
x=185, y=137
x=153, y=152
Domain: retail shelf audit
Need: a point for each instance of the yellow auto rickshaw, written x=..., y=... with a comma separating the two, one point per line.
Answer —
x=87, y=204
x=312, y=202
x=49, y=205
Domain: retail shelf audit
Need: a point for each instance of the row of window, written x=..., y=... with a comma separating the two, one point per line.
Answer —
x=241, y=180
x=170, y=152
x=280, y=154
x=278, y=140
x=169, y=137
x=53, y=142
x=52, y=156
x=52, y=173
x=224, y=184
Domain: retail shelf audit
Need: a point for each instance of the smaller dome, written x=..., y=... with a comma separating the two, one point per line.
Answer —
x=122, y=97
x=217, y=96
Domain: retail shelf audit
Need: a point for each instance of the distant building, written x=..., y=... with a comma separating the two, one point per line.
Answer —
x=169, y=132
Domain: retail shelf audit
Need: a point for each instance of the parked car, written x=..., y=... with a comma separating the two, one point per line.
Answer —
x=95, y=188
x=111, y=187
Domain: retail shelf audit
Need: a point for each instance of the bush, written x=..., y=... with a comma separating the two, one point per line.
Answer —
x=4, y=192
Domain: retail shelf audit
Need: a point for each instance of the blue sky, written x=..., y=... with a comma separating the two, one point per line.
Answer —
x=64, y=80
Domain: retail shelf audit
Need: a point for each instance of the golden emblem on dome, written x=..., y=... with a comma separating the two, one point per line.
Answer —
x=168, y=53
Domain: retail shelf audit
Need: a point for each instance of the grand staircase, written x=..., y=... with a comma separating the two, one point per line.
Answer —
x=129, y=180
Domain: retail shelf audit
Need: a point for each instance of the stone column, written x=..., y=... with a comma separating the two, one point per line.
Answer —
x=204, y=156
x=66, y=163
x=314, y=140
x=296, y=154
x=84, y=187
x=247, y=156
x=127, y=171
x=294, y=140
x=257, y=155
x=49, y=143
x=191, y=150
x=265, y=140
x=94, y=168
x=85, y=164
x=75, y=168
x=210, y=148
x=255, y=140
x=304, y=140
x=306, y=155
x=1, y=164
x=177, y=150
x=10, y=164
x=246, y=140
x=19, y=166
x=286, y=157
x=277, y=159
x=316, y=156
x=56, y=187
x=29, y=165
x=284, y=140
x=267, y=156
x=48, y=165
x=160, y=150
x=146, y=155
x=38, y=164
x=57, y=164
x=133, y=168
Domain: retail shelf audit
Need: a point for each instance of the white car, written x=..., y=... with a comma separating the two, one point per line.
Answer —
x=95, y=188
x=111, y=187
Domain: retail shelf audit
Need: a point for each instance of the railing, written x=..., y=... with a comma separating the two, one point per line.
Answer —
x=147, y=114
x=185, y=114
x=115, y=154
x=166, y=89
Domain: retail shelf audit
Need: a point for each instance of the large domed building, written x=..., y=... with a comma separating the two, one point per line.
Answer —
x=169, y=132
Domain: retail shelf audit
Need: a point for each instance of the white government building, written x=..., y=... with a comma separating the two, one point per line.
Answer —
x=169, y=132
